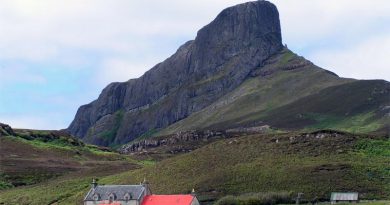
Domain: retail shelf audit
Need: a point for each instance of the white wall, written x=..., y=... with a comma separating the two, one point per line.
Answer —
x=131, y=202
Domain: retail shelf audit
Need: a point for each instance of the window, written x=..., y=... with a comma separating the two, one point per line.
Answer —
x=128, y=196
x=96, y=197
x=111, y=197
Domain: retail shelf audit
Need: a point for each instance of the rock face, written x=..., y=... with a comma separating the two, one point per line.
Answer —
x=6, y=130
x=223, y=54
x=195, y=137
x=181, y=137
x=187, y=137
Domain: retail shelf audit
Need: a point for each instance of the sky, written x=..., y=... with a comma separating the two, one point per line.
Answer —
x=56, y=55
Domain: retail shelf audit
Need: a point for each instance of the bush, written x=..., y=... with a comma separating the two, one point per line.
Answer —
x=5, y=185
x=268, y=198
x=227, y=200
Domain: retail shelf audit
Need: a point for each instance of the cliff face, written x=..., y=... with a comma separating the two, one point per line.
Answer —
x=6, y=130
x=221, y=57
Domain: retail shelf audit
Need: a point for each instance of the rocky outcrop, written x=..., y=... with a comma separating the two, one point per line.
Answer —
x=180, y=137
x=220, y=58
x=191, y=140
x=6, y=130
x=187, y=137
x=250, y=130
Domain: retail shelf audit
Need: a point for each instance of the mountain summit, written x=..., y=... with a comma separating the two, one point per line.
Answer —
x=235, y=73
x=218, y=60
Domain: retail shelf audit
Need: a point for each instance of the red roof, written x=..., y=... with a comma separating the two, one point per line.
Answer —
x=168, y=199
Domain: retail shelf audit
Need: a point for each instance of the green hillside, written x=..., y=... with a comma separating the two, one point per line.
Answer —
x=314, y=163
x=284, y=79
x=31, y=156
x=289, y=92
x=359, y=107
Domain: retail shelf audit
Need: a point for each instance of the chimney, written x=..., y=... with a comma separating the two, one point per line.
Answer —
x=147, y=188
x=94, y=183
x=193, y=193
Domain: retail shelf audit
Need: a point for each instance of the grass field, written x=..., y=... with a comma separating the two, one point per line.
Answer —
x=38, y=157
x=364, y=202
x=259, y=163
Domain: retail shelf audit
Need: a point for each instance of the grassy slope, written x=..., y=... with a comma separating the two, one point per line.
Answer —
x=67, y=189
x=36, y=156
x=43, y=167
x=260, y=94
x=358, y=107
x=257, y=163
x=301, y=96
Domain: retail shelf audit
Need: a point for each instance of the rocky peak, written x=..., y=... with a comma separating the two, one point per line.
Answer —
x=240, y=29
x=240, y=26
x=221, y=57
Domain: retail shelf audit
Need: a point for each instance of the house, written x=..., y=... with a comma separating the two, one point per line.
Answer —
x=352, y=197
x=134, y=195
x=116, y=194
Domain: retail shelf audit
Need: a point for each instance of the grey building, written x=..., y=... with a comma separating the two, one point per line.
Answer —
x=116, y=194
x=352, y=197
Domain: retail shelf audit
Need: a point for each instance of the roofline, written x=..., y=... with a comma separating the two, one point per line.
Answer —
x=85, y=198
x=171, y=195
x=138, y=197
x=353, y=192
x=119, y=185
x=143, y=189
x=334, y=193
x=115, y=200
x=193, y=198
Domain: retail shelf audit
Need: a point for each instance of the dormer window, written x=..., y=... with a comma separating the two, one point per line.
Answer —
x=128, y=197
x=111, y=197
x=96, y=197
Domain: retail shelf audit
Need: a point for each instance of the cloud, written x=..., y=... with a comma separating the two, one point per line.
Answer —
x=347, y=37
x=18, y=72
x=120, y=70
x=364, y=60
x=308, y=21
x=41, y=30
x=43, y=121
x=66, y=51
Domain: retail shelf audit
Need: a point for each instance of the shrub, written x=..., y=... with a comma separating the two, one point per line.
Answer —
x=227, y=200
x=267, y=198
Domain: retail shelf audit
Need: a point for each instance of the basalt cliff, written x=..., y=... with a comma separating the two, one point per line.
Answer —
x=236, y=73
